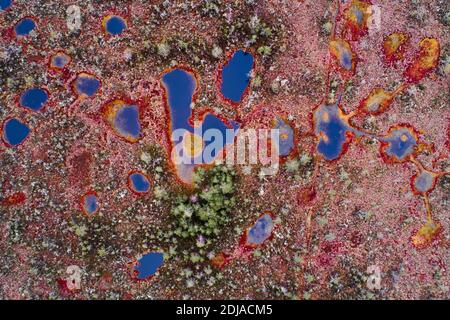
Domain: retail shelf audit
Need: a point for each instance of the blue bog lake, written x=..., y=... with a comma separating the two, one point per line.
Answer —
x=115, y=25
x=90, y=204
x=86, y=85
x=332, y=130
x=5, y=4
x=126, y=121
x=148, y=265
x=261, y=230
x=15, y=132
x=34, y=99
x=24, y=27
x=180, y=86
x=286, y=139
x=60, y=60
x=236, y=76
x=401, y=143
x=424, y=182
x=139, y=182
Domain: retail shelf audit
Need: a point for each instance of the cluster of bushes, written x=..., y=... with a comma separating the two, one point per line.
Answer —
x=199, y=217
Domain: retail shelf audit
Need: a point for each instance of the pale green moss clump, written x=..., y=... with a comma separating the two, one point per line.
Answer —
x=203, y=213
x=199, y=217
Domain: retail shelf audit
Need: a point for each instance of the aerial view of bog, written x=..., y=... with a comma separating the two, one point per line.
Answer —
x=224, y=149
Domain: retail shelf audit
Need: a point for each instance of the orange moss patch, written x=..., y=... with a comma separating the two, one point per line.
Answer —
x=426, y=60
x=394, y=46
x=220, y=260
x=426, y=234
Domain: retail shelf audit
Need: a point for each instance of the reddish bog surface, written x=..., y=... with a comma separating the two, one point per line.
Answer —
x=224, y=149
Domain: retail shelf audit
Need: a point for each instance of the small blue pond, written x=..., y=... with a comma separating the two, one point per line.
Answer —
x=24, y=27
x=86, y=85
x=261, y=230
x=401, y=143
x=424, y=182
x=60, y=60
x=115, y=25
x=5, y=4
x=90, y=204
x=34, y=99
x=15, y=132
x=148, y=265
x=332, y=130
x=126, y=122
x=139, y=182
x=236, y=76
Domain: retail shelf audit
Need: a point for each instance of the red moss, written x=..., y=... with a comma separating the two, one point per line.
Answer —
x=306, y=195
x=79, y=165
x=14, y=199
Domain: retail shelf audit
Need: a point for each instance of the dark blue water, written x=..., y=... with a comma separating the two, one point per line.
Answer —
x=334, y=128
x=260, y=231
x=34, y=99
x=139, y=182
x=115, y=25
x=236, y=76
x=126, y=122
x=87, y=85
x=91, y=203
x=400, y=143
x=15, y=132
x=148, y=265
x=212, y=122
x=180, y=86
x=24, y=27
x=5, y=4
